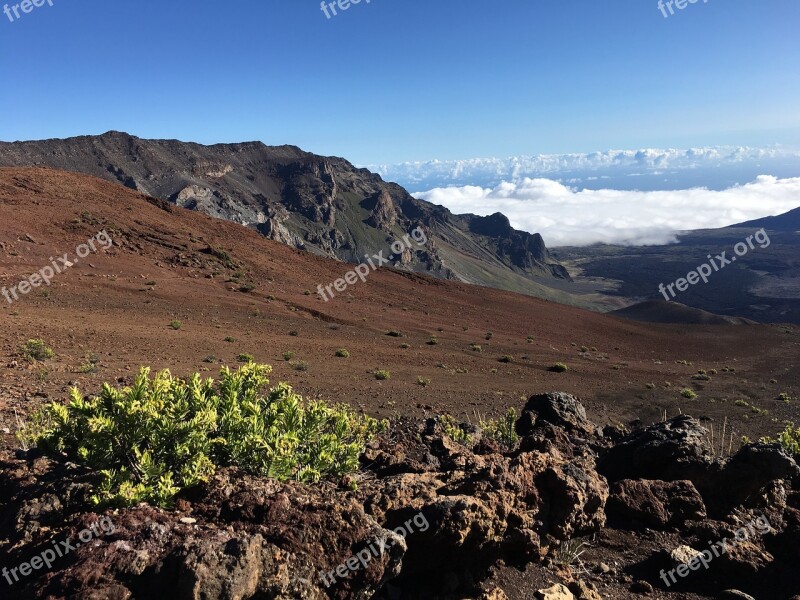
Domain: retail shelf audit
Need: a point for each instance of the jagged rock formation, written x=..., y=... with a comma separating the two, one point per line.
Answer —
x=443, y=514
x=321, y=204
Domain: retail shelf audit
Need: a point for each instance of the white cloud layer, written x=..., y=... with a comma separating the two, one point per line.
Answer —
x=568, y=216
x=583, y=167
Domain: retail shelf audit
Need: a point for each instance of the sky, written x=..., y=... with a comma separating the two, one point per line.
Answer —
x=407, y=80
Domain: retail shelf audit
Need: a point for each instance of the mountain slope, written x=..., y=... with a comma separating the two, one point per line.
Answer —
x=789, y=221
x=321, y=204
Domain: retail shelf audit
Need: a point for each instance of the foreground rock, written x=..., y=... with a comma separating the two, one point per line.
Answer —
x=430, y=517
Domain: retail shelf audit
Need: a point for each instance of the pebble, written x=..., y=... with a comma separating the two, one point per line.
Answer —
x=188, y=520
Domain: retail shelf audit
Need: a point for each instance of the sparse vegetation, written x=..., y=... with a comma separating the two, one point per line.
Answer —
x=405, y=346
x=288, y=355
x=394, y=333
x=300, y=365
x=476, y=348
x=35, y=350
x=382, y=375
x=245, y=358
x=342, y=353
x=559, y=368
x=175, y=324
x=688, y=393
x=423, y=381
x=454, y=430
x=164, y=434
x=89, y=364
x=433, y=341
x=789, y=439
x=506, y=359
x=503, y=430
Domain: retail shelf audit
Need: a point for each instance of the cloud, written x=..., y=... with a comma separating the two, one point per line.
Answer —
x=568, y=216
x=678, y=168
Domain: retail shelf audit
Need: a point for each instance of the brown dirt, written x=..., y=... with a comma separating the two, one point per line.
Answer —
x=107, y=305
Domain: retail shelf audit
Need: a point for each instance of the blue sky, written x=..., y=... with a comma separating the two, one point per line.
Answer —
x=398, y=80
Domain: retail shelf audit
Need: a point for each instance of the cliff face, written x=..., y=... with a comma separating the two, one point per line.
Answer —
x=321, y=204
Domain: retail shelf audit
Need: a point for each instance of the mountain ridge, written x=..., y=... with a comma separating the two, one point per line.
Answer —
x=324, y=205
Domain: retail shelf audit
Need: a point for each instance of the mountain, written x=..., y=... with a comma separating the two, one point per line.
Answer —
x=789, y=221
x=323, y=205
x=763, y=284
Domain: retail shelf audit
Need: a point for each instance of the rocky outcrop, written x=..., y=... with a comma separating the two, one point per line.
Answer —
x=431, y=517
x=383, y=215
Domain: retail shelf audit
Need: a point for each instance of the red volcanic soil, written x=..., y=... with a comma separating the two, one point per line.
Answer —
x=169, y=264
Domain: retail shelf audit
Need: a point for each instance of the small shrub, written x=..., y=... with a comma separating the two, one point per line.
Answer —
x=175, y=324
x=454, y=430
x=789, y=439
x=584, y=349
x=503, y=430
x=741, y=402
x=559, y=368
x=489, y=336
x=784, y=397
x=294, y=333
x=382, y=375
x=287, y=356
x=701, y=377
x=688, y=393
x=210, y=359
x=394, y=333
x=245, y=358
x=476, y=348
x=247, y=287
x=162, y=435
x=423, y=381
x=89, y=364
x=34, y=350
x=300, y=365
x=506, y=359
x=531, y=339
x=230, y=339
x=405, y=346
x=651, y=386
x=342, y=353
x=433, y=341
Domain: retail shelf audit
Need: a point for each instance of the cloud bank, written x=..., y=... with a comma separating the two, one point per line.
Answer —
x=717, y=167
x=568, y=216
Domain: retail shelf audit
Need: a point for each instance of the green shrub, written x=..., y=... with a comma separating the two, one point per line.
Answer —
x=165, y=434
x=405, y=346
x=33, y=350
x=299, y=365
x=789, y=439
x=175, y=324
x=342, y=353
x=559, y=368
x=433, y=341
x=394, y=333
x=688, y=393
x=245, y=358
x=454, y=430
x=382, y=375
x=476, y=348
x=506, y=359
x=288, y=355
x=423, y=381
x=502, y=430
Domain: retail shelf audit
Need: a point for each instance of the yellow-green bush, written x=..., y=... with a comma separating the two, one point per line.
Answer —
x=164, y=434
